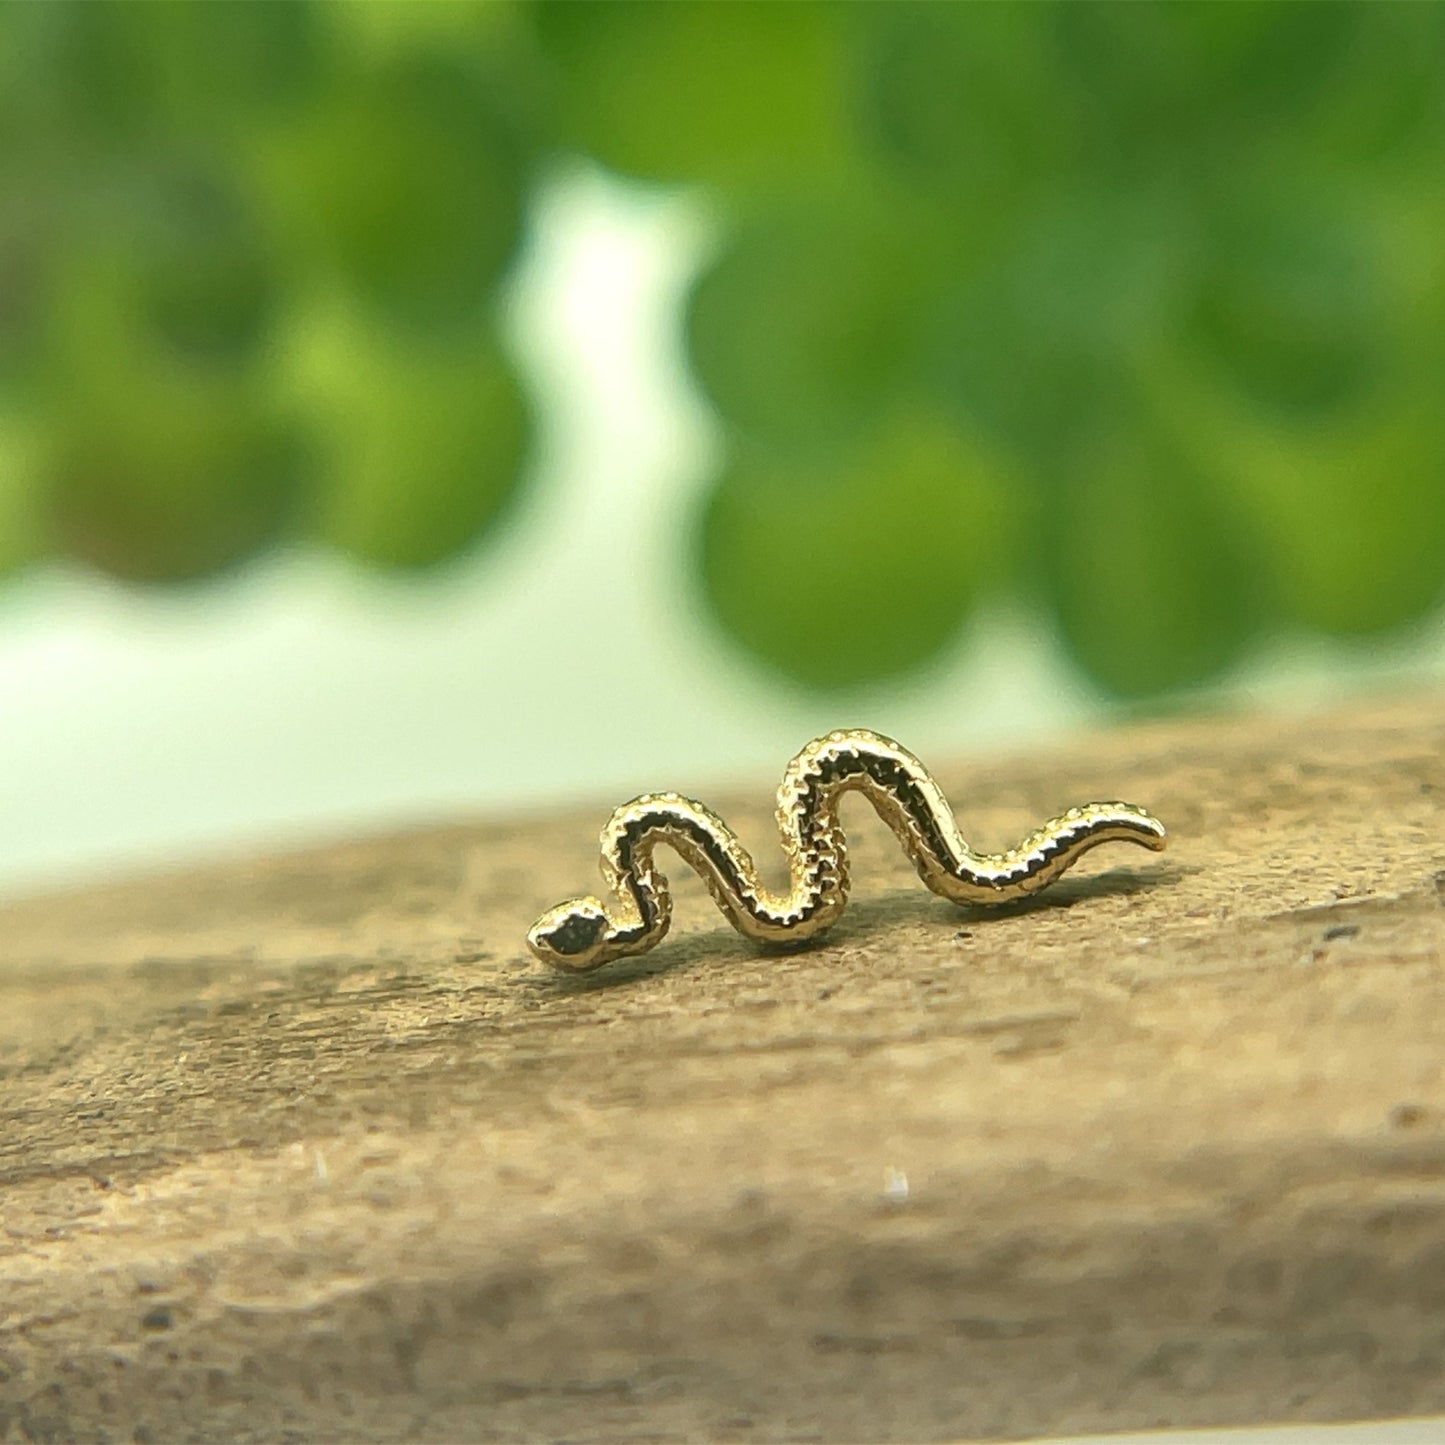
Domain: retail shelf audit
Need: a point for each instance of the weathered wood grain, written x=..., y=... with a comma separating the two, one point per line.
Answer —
x=307, y=1148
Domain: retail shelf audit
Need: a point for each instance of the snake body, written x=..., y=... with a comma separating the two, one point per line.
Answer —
x=584, y=933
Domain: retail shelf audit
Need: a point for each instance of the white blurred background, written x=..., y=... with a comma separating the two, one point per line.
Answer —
x=1399, y=1432
x=305, y=700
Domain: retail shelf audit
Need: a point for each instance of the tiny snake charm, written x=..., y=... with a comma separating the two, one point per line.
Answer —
x=585, y=933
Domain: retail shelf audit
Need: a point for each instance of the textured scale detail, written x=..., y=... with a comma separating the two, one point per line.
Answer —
x=584, y=933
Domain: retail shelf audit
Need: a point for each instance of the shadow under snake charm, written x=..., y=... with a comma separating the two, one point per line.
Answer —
x=585, y=933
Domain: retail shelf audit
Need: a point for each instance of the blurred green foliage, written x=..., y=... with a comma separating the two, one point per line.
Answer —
x=249, y=256
x=1134, y=310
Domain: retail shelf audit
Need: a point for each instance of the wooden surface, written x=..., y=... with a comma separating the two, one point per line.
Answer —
x=308, y=1149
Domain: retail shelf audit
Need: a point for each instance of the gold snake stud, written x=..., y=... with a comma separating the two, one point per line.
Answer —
x=584, y=933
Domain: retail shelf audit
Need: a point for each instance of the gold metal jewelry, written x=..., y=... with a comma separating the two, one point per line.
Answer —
x=584, y=933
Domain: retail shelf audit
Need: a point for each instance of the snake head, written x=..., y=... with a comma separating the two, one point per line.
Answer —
x=571, y=935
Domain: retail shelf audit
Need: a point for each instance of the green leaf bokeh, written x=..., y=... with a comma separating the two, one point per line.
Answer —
x=1135, y=311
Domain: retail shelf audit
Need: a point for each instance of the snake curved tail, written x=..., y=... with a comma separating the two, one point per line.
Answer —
x=584, y=933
